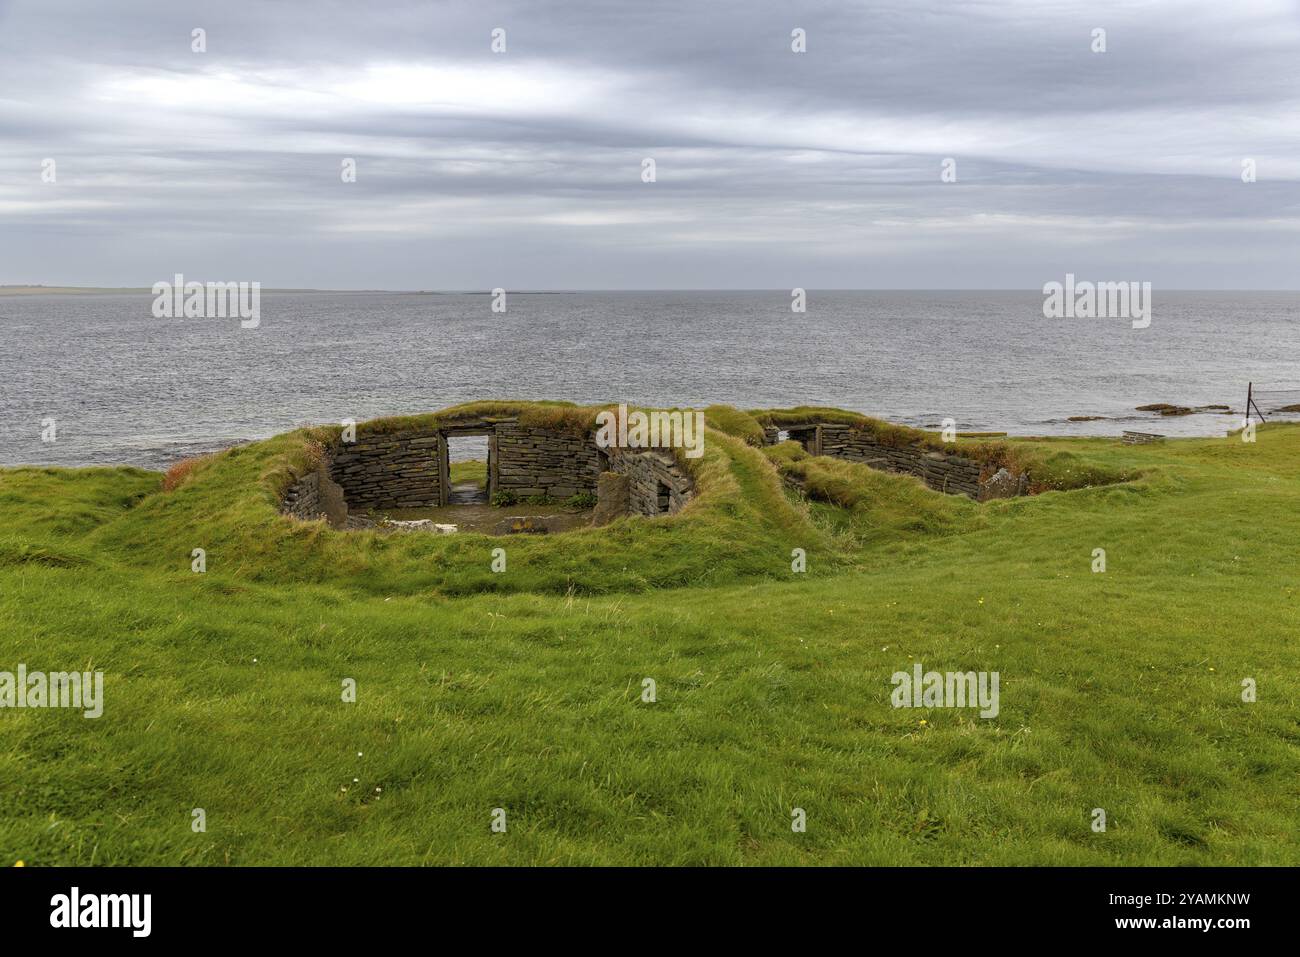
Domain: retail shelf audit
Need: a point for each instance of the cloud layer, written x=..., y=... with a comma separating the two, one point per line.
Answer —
x=774, y=169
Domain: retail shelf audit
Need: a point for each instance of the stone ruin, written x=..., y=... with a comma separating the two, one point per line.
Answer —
x=410, y=469
x=941, y=471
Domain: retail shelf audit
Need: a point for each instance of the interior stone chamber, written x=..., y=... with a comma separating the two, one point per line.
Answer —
x=411, y=469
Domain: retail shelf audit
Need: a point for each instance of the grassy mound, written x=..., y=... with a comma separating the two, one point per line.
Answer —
x=741, y=425
x=871, y=506
x=738, y=527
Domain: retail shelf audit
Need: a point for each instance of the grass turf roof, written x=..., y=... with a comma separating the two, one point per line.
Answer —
x=992, y=454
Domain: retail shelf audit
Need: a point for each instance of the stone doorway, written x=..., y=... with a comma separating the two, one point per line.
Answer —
x=461, y=483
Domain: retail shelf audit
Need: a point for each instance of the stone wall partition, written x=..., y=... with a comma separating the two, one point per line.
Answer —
x=302, y=498
x=533, y=462
x=316, y=495
x=392, y=470
x=941, y=471
x=657, y=484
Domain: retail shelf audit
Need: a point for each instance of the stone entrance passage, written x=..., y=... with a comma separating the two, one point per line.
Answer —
x=467, y=493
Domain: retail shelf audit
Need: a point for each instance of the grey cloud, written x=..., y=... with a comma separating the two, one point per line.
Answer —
x=773, y=168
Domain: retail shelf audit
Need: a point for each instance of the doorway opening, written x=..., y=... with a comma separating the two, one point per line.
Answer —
x=663, y=498
x=468, y=468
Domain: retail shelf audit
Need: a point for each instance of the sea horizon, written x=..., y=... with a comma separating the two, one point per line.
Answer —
x=53, y=289
x=987, y=359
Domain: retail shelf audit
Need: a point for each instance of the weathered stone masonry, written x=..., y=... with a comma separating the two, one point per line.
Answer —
x=314, y=495
x=532, y=462
x=302, y=500
x=409, y=469
x=940, y=471
x=396, y=470
x=657, y=483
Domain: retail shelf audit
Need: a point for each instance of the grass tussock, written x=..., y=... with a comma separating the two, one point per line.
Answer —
x=181, y=472
x=560, y=416
x=871, y=506
x=734, y=422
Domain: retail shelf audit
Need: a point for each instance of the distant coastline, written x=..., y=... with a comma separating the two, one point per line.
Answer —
x=117, y=290
x=17, y=290
x=40, y=290
x=62, y=291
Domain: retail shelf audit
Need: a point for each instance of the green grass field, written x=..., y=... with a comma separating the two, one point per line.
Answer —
x=522, y=690
x=475, y=472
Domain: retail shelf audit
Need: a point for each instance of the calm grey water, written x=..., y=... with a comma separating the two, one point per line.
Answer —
x=125, y=387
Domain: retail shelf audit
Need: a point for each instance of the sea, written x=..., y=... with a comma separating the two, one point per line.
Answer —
x=120, y=386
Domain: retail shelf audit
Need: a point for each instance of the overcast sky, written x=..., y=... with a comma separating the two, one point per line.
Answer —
x=774, y=169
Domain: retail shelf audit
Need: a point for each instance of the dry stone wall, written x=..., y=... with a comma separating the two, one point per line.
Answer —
x=940, y=471
x=657, y=484
x=1140, y=438
x=533, y=462
x=943, y=473
x=302, y=500
x=316, y=495
x=395, y=470
x=409, y=470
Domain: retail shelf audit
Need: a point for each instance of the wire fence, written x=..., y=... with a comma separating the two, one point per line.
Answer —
x=1269, y=402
